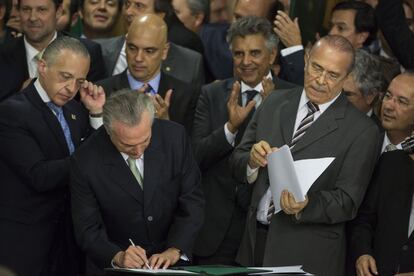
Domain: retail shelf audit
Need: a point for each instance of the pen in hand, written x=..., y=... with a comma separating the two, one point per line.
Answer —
x=133, y=244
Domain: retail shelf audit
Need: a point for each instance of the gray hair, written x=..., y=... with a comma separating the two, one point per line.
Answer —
x=61, y=43
x=367, y=74
x=339, y=43
x=126, y=106
x=200, y=6
x=251, y=25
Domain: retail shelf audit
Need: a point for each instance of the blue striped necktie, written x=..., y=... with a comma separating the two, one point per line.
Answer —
x=63, y=124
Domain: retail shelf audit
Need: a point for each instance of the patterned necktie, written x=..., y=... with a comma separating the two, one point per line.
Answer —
x=149, y=90
x=305, y=123
x=271, y=210
x=63, y=124
x=133, y=167
x=390, y=147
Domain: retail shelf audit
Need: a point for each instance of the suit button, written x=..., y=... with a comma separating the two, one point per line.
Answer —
x=405, y=247
x=149, y=218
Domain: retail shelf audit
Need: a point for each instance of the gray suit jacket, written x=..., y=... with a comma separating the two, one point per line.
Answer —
x=181, y=63
x=317, y=240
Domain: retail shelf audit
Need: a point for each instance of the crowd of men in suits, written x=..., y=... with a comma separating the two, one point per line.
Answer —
x=149, y=149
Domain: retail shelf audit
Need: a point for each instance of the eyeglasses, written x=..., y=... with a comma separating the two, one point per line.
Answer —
x=401, y=102
x=318, y=71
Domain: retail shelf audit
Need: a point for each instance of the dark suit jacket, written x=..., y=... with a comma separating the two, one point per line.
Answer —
x=180, y=35
x=181, y=63
x=183, y=99
x=34, y=169
x=292, y=67
x=223, y=193
x=317, y=239
x=381, y=227
x=218, y=57
x=13, y=56
x=109, y=207
x=391, y=20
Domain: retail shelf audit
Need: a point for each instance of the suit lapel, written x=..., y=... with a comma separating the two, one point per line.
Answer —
x=164, y=86
x=324, y=125
x=153, y=160
x=48, y=116
x=118, y=170
x=288, y=115
x=116, y=51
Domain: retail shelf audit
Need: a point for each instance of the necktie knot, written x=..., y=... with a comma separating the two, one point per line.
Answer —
x=57, y=109
x=134, y=169
x=390, y=147
x=312, y=108
x=149, y=89
x=250, y=94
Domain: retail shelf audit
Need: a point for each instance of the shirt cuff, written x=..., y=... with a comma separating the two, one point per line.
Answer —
x=96, y=122
x=291, y=50
x=251, y=174
x=230, y=137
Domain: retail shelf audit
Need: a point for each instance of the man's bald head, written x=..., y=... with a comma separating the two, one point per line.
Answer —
x=146, y=46
x=149, y=23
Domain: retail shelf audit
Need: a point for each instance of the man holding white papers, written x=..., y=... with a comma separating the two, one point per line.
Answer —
x=316, y=122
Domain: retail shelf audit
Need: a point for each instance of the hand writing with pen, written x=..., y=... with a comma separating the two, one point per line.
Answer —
x=136, y=257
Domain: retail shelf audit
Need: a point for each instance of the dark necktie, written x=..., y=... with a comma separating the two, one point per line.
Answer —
x=250, y=94
x=305, y=123
x=63, y=124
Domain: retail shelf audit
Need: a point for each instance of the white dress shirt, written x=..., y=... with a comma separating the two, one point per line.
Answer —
x=121, y=63
x=31, y=53
x=138, y=162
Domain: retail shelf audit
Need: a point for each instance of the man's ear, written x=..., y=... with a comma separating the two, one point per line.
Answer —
x=59, y=11
x=41, y=66
x=199, y=18
x=362, y=37
x=165, y=50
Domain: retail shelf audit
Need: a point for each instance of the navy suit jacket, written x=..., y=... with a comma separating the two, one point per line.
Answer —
x=34, y=169
x=109, y=207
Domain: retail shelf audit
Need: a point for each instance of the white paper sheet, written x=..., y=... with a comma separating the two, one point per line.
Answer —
x=294, y=176
x=281, y=269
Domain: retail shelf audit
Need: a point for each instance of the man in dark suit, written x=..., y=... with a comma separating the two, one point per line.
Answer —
x=222, y=114
x=135, y=187
x=315, y=122
x=397, y=112
x=146, y=47
x=40, y=128
x=181, y=63
x=382, y=233
x=38, y=19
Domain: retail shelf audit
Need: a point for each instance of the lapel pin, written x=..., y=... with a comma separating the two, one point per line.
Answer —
x=73, y=116
x=168, y=69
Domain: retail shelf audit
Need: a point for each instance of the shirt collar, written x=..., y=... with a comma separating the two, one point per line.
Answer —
x=369, y=113
x=41, y=91
x=31, y=51
x=258, y=87
x=125, y=156
x=322, y=107
x=136, y=84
